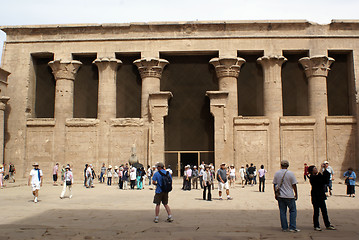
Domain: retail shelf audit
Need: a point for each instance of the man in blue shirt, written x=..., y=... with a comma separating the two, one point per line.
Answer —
x=160, y=196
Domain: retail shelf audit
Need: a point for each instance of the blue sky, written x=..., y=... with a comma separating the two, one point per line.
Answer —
x=33, y=12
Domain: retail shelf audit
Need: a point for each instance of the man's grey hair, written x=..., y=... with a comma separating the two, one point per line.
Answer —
x=284, y=163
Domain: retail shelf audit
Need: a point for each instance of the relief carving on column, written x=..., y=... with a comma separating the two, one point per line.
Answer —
x=227, y=67
x=65, y=69
x=103, y=63
x=316, y=66
x=150, y=67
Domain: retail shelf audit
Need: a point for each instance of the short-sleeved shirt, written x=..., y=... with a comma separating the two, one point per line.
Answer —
x=157, y=177
x=286, y=190
x=223, y=173
x=56, y=168
x=34, y=173
x=262, y=172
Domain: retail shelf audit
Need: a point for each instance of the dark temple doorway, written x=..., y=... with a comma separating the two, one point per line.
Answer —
x=189, y=125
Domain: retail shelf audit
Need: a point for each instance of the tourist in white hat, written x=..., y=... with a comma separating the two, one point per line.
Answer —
x=329, y=186
x=1, y=175
x=68, y=182
x=35, y=179
x=222, y=181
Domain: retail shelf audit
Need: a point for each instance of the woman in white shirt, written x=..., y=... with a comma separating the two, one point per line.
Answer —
x=1, y=175
x=133, y=178
x=68, y=181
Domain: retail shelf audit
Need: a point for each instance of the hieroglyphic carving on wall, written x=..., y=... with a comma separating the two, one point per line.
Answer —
x=297, y=146
x=81, y=148
x=121, y=141
x=39, y=147
x=251, y=146
x=341, y=147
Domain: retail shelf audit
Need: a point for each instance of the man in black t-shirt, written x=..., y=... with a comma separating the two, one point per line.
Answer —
x=251, y=174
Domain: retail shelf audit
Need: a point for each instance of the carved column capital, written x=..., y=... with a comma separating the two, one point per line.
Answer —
x=65, y=69
x=3, y=102
x=150, y=67
x=227, y=67
x=267, y=61
x=317, y=66
x=103, y=63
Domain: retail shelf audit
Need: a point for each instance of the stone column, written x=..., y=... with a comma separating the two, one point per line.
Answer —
x=316, y=69
x=107, y=76
x=219, y=101
x=273, y=105
x=158, y=109
x=151, y=71
x=64, y=73
x=107, y=72
x=227, y=71
x=3, y=102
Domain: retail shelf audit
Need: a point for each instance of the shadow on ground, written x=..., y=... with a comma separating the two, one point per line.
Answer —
x=188, y=224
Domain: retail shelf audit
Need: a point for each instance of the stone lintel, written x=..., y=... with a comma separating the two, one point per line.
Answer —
x=218, y=98
x=126, y=122
x=297, y=120
x=267, y=61
x=227, y=66
x=251, y=121
x=65, y=69
x=82, y=122
x=316, y=66
x=40, y=122
x=340, y=120
x=150, y=67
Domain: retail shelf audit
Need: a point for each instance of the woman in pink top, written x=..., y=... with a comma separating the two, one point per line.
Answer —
x=262, y=178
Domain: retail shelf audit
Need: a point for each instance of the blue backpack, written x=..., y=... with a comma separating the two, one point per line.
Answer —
x=166, y=182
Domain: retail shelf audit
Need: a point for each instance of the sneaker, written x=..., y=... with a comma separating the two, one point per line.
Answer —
x=331, y=228
x=229, y=198
x=294, y=230
x=220, y=198
x=156, y=220
x=70, y=196
x=35, y=200
x=285, y=230
x=317, y=229
x=170, y=219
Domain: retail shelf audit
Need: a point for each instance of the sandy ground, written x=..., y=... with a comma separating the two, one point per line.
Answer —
x=109, y=213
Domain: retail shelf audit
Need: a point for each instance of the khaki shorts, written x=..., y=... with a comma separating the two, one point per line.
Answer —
x=161, y=197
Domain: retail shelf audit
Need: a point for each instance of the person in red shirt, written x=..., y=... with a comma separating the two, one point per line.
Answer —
x=305, y=171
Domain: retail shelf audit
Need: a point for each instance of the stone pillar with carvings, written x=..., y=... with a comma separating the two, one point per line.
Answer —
x=107, y=74
x=151, y=72
x=64, y=73
x=3, y=102
x=158, y=109
x=154, y=105
x=273, y=104
x=224, y=106
x=316, y=69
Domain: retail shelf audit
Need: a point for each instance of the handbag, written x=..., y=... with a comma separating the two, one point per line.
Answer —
x=277, y=188
x=68, y=183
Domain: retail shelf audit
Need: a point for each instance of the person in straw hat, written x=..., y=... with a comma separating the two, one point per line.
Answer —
x=109, y=175
x=68, y=181
x=35, y=179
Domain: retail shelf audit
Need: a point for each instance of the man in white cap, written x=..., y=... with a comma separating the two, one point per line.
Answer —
x=223, y=181
x=35, y=179
x=331, y=172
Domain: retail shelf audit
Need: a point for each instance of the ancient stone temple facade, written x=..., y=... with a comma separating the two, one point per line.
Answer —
x=236, y=92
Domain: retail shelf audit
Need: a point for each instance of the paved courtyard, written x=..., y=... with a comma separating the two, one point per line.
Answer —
x=109, y=213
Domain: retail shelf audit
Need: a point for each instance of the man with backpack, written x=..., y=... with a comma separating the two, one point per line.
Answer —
x=163, y=180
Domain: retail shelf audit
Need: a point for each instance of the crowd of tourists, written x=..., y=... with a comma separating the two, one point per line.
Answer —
x=284, y=184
